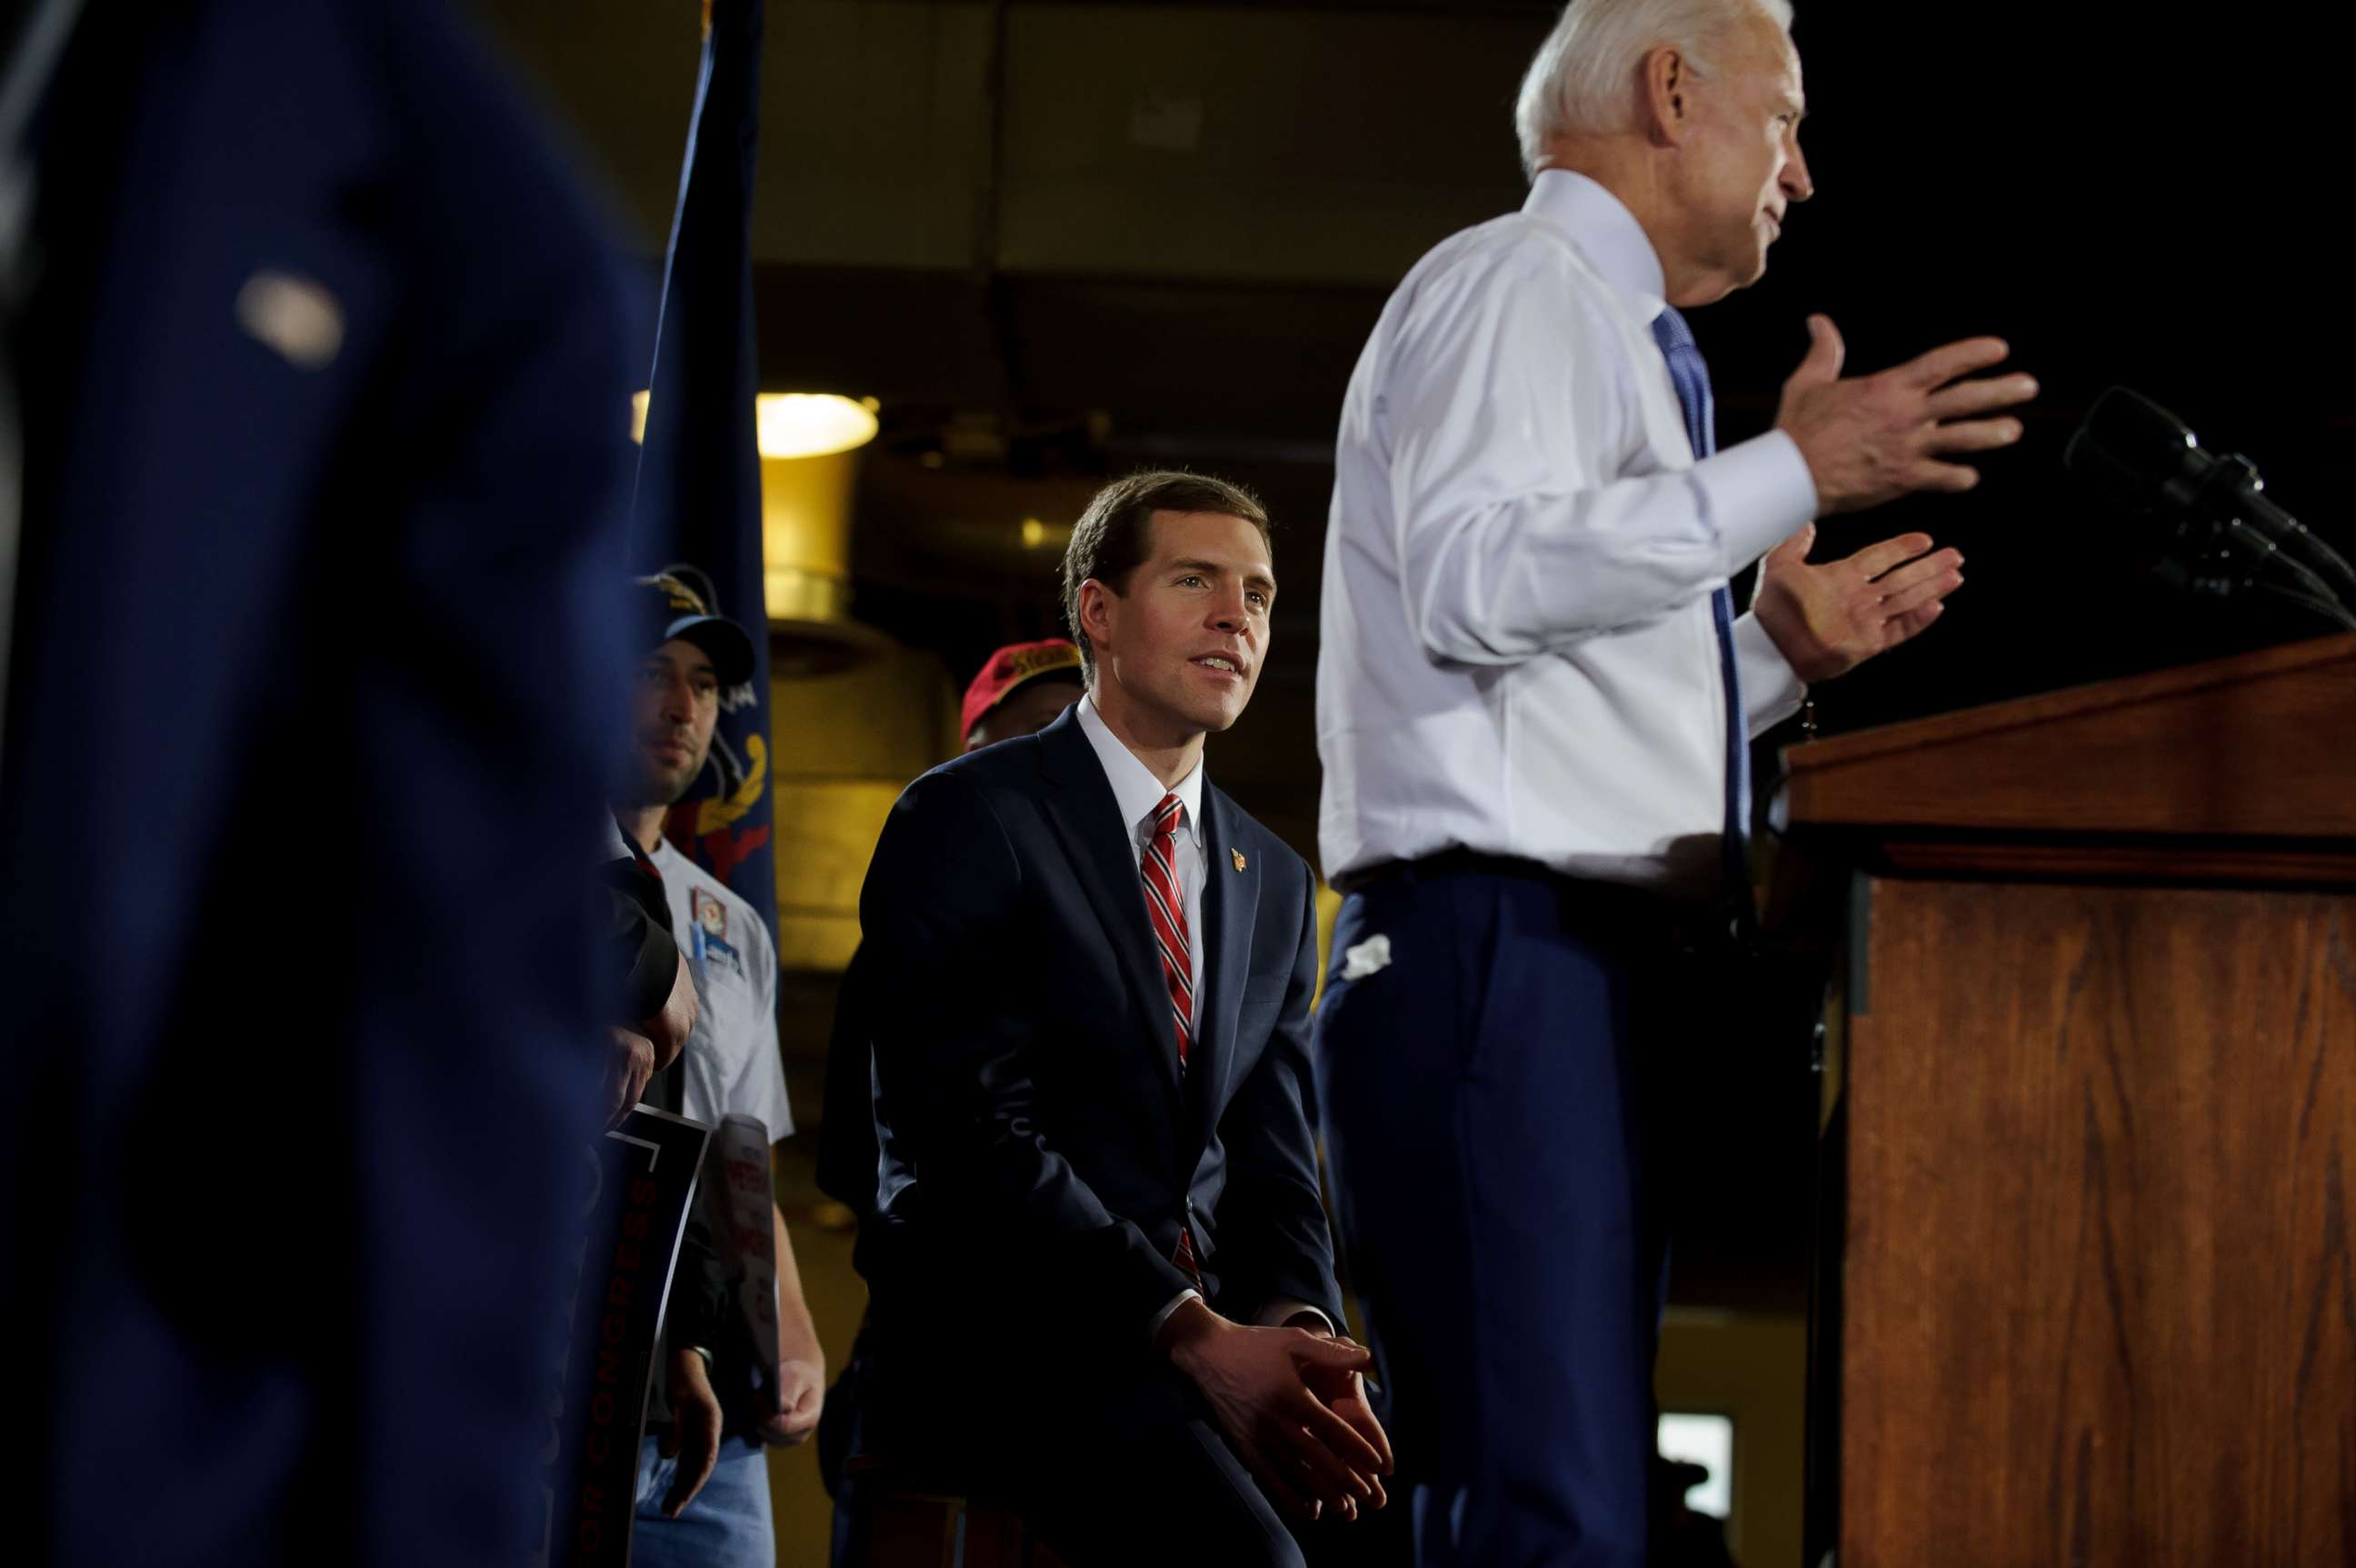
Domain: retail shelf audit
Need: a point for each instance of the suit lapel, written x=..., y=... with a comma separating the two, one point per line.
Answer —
x=1087, y=819
x=1230, y=910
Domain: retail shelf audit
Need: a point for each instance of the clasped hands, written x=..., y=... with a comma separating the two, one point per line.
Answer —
x=1293, y=1402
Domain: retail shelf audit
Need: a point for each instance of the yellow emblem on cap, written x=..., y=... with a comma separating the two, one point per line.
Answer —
x=1239, y=859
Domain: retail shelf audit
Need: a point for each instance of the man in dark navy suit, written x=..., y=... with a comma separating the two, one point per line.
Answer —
x=1102, y=1278
x=311, y=677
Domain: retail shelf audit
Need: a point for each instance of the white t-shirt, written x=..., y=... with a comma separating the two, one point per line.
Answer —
x=734, y=1067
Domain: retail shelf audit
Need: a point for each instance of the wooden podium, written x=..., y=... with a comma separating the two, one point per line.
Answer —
x=2096, y=1035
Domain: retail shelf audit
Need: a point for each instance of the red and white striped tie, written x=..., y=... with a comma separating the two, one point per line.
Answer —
x=1166, y=911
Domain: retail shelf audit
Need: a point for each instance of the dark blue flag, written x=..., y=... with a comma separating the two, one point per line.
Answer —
x=698, y=506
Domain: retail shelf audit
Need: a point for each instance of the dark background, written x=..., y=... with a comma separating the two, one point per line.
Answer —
x=2125, y=200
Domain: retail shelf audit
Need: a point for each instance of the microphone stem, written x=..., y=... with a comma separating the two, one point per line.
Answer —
x=2330, y=609
x=2330, y=560
x=2313, y=591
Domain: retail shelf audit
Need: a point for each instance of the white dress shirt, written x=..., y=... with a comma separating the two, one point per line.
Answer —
x=1519, y=656
x=1140, y=795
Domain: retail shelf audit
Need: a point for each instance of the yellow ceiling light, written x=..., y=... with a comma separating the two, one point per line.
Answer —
x=795, y=425
x=813, y=424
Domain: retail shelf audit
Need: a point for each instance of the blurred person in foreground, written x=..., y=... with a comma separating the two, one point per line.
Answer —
x=1534, y=708
x=703, y=1479
x=1019, y=689
x=1100, y=1280
x=311, y=657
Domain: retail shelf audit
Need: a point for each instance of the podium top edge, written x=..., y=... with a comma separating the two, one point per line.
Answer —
x=1963, y=724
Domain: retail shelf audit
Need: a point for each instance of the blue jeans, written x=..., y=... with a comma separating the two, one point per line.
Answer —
x=727, y=1525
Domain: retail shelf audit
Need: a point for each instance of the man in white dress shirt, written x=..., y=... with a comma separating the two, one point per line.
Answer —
x=1534, y=704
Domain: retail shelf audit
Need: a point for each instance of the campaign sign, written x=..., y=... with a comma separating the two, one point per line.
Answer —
x=736, y=1199
x=636, y=1186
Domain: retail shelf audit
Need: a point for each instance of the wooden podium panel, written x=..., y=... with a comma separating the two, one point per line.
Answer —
x=2095, y=1294
x=2101, y=1307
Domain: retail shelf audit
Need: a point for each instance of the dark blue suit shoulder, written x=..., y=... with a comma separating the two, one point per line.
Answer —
x=981, y=778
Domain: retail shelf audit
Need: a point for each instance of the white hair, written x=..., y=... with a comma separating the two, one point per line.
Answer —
x=1584, y=76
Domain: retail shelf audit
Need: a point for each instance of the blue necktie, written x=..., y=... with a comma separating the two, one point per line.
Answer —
x=1691, y=377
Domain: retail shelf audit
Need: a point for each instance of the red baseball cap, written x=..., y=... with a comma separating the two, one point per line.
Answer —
x=1010, y=667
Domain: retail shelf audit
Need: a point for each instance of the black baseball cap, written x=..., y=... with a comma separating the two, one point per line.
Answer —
x=673, y=610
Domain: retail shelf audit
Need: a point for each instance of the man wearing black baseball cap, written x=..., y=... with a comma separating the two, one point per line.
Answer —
x=707, y=1500
x=676, y=613
x=657, y=985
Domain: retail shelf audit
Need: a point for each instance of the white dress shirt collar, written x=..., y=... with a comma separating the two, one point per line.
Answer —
x=1600, y=224
x=1133, y=784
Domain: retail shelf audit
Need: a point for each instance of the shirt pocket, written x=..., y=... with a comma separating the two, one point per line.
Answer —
x=724, y=994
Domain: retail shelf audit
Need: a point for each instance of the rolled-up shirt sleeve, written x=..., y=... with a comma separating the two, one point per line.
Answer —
x=1510, y=401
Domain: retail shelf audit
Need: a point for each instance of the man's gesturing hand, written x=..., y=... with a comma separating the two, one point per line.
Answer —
x=1259, y=1385
x=1871, y=439
x=1827, y=619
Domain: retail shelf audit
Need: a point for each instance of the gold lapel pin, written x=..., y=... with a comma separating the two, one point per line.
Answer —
x=1239, y=859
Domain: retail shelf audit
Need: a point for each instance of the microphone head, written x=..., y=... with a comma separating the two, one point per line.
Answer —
x=2132, y=448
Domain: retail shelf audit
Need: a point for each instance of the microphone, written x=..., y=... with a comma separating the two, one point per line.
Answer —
x=2144, y=458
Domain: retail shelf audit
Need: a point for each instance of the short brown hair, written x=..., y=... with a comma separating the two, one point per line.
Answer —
x=1111, y=538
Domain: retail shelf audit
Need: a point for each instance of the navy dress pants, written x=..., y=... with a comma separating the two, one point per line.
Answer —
x=1495, y=1164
